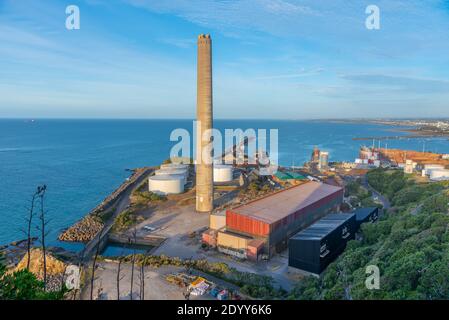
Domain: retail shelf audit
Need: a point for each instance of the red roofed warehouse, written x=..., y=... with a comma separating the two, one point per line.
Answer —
x=275, y=218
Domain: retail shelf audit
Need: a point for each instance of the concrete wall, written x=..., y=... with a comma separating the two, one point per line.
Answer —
x=217, y=221
x=232, y=241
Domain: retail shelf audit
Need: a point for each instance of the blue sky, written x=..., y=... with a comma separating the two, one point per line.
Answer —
x=285, y=59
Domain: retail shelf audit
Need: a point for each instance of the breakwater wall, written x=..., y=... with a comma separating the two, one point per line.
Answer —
x=98, y=218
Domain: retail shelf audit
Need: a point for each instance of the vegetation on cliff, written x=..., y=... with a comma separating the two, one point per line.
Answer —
x=22, y=284
x=409, y=245
x=126, y=220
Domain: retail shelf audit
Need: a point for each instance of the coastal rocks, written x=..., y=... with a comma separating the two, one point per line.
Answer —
x=83, y=231
x=86, y=229
x=14, y=252
x=54, y=266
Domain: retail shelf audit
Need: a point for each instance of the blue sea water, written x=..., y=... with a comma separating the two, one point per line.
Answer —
x=82, y=161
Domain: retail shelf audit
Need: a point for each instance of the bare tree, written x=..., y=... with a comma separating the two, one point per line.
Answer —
x=142, y=278
x=99, y=291
x=188, y=265
x=62, y=285
x=119, y=278
x=29, y=221
x=133, y=262
x=80, y=265
x=94, y=264
x=42, y=228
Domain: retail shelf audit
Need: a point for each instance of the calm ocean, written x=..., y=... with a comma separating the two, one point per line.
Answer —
x=82, y=161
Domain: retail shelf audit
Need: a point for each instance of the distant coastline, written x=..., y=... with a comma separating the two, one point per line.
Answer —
x=415, y=129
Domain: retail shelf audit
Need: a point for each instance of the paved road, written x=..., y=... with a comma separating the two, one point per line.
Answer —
x=385, y=202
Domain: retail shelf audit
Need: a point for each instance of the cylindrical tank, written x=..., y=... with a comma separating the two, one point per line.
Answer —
x=223, y=173
x=166, y=184
x=172, y=172
x=439, y=174
x=175, y=166
x=430, y=167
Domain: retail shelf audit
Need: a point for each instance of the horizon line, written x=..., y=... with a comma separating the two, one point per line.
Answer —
x=225, y=118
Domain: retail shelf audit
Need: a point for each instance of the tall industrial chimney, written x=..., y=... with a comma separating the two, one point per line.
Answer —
x=204, y=169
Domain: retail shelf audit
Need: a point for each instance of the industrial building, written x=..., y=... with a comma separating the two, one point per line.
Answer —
x=409, y=166
x=364, y=215
x=314, y=248
x=315, y=158
x=323, y=163
x=429, y=167
x=273, y=219
x=439, y=174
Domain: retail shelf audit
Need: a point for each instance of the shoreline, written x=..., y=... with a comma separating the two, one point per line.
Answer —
x=88, y=227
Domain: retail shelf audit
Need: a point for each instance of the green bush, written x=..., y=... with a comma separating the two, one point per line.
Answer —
x=411, y=251
x=125, y=220
x=23, y=285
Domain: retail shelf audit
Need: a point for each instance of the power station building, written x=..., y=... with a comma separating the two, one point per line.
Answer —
x=314, y=248
x=265, y=225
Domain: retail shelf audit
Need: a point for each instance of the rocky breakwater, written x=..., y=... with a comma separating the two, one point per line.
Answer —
x=83, y=231
x=87, y=228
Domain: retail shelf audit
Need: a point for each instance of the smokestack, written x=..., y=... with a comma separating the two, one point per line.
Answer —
x=204, y=171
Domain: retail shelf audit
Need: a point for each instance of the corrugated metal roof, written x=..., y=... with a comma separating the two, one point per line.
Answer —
x=296, y=175
x=362, y=213
x=323, y=227
x=279, y=205
x=282, y=176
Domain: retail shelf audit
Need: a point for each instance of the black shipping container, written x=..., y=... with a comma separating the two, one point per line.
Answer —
x=369, y=214
x=314, y=248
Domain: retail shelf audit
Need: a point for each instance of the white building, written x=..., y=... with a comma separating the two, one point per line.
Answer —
x=439, y=174
x=408, y=168
x=429, y=167
x=324, y=160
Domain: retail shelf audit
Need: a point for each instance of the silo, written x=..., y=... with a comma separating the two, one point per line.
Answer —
x=439, y=174
x=223, y=173
x=166, y=184
x=175, y=166
x=172, y=172
x=429, y=167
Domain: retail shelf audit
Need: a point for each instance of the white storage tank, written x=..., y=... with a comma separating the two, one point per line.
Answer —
x=166, y=184
x=175, y=166
x=223, y=173
x=429, y=167
x=439, y=174
x=172, y=172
